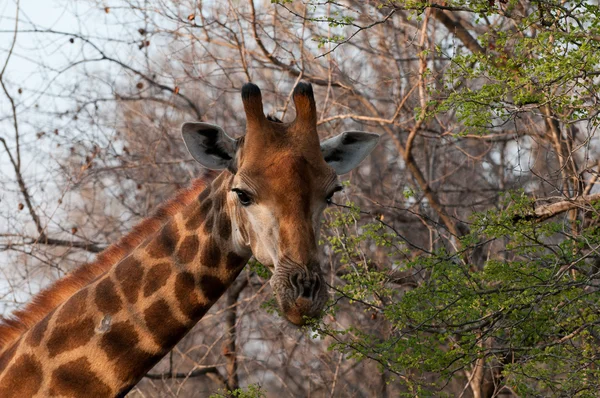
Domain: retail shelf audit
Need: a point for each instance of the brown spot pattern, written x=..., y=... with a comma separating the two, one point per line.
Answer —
x=107, y=299
x=188, y=249
x=186, y=294
x=166, y=330
x=190, y=209
x=73, y=308
x=137, y=363
x=121, y=338
x=14, y=384
x=156, y=278
x=129, y=272
x=164, y=243
x=211, y=286
x=76, y=379
x=205, y=206
x=204, y=195
x=37, y=333
x=120, y=345
x=195, y=219
x=208, y=224
x=234, y=262
x=224, y=226
x=211, y=254
x=218, y=203
x=70, y=336
x=7, y=355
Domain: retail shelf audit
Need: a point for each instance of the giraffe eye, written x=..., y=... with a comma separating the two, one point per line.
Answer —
x=243, y=197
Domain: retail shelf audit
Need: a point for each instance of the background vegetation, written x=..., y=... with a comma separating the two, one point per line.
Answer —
x=463, y=254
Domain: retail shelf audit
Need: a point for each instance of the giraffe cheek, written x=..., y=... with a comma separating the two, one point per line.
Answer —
x=241, y=232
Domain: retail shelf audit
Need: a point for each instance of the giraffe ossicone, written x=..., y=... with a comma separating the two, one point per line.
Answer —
x=100, y=329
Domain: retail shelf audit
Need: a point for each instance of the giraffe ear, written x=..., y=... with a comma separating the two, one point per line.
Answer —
x=208, y=144
x=345, y=151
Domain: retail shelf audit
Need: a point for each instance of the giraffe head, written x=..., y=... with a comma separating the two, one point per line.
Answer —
x=282, y=180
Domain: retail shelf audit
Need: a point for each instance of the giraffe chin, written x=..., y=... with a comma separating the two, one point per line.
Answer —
x=301, y=311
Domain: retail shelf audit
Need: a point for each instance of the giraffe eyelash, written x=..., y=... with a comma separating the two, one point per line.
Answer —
x=243, y=196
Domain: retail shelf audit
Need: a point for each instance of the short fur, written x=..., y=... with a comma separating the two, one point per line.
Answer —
x=252, y=100
x=12, y=327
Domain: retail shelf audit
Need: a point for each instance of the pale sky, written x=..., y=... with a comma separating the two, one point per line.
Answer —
x=34, y=67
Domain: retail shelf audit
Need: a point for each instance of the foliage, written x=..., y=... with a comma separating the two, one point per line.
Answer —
x=550, y=60
x=532, y=309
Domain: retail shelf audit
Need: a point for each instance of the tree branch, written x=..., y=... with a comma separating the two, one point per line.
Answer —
x=23, y=188
x=43, y=239
x=455, y=26
x=547, y=211
x=229, y=346
x=286, y=67
x=172, y=90
x=195, y=373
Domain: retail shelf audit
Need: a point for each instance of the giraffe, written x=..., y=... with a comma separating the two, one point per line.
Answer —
x=97, y=333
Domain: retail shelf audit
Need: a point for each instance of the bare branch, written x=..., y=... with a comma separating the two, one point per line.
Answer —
x=547, y=211
x=194, y=373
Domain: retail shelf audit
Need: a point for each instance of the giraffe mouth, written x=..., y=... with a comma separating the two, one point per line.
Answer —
x=302, y=312
x=301, y=295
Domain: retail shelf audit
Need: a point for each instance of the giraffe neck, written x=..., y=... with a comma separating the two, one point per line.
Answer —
x=103, y=339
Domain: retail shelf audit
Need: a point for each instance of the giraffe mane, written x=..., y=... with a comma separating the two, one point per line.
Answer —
x=17, y=323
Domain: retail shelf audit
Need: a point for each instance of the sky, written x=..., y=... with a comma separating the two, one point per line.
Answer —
x=32, y=71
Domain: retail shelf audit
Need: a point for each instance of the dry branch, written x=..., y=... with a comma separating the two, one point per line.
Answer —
x=546, y=211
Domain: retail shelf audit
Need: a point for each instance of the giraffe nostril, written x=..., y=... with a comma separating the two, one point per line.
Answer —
x=316, y=287
x=305, y=287
x=296, y=285
x=306, y=291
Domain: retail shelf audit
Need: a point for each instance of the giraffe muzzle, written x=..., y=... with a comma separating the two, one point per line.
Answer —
x=301, y=294
x=306, y=287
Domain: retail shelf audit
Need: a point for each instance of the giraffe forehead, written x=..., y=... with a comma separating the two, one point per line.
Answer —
x=287, y=173
x=278, y=134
